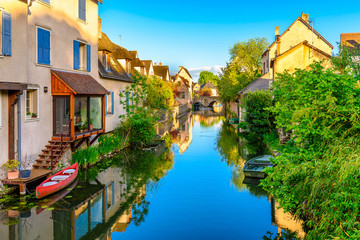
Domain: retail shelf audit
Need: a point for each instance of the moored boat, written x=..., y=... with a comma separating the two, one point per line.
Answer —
x=255, y=166
x=58, y=181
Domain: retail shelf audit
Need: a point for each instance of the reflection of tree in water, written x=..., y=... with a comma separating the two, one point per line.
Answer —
x=285, y=235
x=235, y=154
x=207, y=122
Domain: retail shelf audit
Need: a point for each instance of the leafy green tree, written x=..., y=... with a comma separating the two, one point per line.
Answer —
x=139, y=122
x=206, y=76
x=247, y=55
x=160, y=94
x=245, y=67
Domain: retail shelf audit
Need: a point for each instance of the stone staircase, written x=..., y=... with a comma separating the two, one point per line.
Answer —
x=53, y=152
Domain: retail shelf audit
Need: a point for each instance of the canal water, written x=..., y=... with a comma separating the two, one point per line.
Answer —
x=196, y=190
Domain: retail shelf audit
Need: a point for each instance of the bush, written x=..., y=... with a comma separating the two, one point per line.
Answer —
x=258, y=118
x=109, y=143
x=316, y=177
x=86, y=156
x=142, y=129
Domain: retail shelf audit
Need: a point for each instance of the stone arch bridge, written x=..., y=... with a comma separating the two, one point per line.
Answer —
x=206, y=101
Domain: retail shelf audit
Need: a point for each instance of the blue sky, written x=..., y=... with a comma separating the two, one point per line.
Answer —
x=198, y=34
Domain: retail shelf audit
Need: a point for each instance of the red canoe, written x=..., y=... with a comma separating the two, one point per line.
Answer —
x=58, y=181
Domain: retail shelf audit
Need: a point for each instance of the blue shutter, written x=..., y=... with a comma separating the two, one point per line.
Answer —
x=6, y=34
x=82, y=9
x=105, y=104
x=47, y=47
x=43, y=43
x=76, y=55
x=112, y=102
x=127, y=99
x=88, y=58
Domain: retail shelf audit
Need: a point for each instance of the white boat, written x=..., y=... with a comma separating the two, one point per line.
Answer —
x=255, y=166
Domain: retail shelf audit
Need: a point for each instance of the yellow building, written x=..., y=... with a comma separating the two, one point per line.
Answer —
x=297, y=47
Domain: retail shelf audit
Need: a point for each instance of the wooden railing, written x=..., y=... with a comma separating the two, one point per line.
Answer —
x=64, y=139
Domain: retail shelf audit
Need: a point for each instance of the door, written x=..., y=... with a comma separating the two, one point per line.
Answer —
x=13, y=100
x=61, y=106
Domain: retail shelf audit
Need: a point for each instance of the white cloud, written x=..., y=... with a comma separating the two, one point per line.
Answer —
x=195, y=72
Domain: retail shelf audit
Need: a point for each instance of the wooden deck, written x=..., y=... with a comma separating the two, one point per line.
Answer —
x=36, y=174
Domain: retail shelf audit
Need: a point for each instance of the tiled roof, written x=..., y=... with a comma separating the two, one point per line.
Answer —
x=105, y=44
x=351, y=40
x=161, y=71
x=114, y=74
x=116, y=71
x=81, y=83
x=137, y=63
x=147, y=64
x=208, y=85
x=134, y=54
x=258, y=84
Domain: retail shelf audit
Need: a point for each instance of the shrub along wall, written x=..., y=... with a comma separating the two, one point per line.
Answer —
x=317, y=175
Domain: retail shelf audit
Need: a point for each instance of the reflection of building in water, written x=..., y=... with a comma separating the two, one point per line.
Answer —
x=285, y=221
x=26, y=226
x=95, y=208
x=182, y=133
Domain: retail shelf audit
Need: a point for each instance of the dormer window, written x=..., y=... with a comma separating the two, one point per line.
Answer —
x=106, y=60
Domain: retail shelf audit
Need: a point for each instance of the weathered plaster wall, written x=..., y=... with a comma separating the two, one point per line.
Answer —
x=112, y=120
x=61, y=17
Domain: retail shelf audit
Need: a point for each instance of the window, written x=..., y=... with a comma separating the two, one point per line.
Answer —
x=43, y=46
x=32, y=103
x=110, y=196
x=109, y=103
x=82, y=56
x=106, y=60
x=6, y=34
x=82, y=10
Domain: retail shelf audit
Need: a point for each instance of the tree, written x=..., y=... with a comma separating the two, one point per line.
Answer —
x=160, y=94
x=206, y=76
x=245, y=67
x=247, y=55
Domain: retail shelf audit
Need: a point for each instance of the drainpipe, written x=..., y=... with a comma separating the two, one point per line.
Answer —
x=19, y=130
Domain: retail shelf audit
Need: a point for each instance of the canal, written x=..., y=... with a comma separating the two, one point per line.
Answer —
x=196, y=190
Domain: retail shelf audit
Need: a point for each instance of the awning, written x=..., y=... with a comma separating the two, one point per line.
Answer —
x=77, y=83
x=12, y=86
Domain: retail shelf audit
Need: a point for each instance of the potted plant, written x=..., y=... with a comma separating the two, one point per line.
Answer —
x=34, y=115
x=11, y=167
x=24, y=173
x=91, y=124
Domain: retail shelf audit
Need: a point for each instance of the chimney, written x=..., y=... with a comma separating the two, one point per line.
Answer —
x=160, y=64
x=305, y=17
x=155, y=64
x=99, y=28
x=277, y=35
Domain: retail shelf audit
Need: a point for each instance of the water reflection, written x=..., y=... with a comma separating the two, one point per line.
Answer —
x=139, y=194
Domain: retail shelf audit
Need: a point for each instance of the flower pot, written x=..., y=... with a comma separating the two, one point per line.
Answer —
x=25, y=173
x=13, y=213
x=14, y=174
